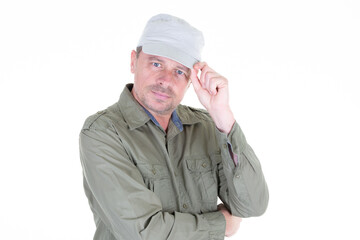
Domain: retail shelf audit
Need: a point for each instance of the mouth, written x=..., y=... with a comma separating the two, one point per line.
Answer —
x=160, y=95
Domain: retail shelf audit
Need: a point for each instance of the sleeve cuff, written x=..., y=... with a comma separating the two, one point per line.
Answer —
x=217, y=224
x=232, y=145
x=237, y=139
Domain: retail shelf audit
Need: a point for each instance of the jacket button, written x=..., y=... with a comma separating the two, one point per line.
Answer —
x=204, y=165
x=154, y=171
x=185, y=206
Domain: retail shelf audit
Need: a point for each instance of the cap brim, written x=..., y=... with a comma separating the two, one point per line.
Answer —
x=162, y=50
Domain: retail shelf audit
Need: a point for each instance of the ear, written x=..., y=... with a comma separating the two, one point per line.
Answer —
x=133, y=61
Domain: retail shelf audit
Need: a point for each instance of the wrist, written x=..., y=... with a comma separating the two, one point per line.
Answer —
x=224, y=120
x=232, y=222
x=217, y=224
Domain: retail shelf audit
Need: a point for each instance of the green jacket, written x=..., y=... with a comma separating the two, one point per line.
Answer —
x=144, y=183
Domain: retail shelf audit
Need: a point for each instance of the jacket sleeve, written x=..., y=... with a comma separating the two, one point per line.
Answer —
x=242, y=186
x=119, y=198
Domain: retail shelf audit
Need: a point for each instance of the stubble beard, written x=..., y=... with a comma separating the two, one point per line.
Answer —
x=166, y=109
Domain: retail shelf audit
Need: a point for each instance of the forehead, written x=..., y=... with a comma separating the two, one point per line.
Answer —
x=164, y=60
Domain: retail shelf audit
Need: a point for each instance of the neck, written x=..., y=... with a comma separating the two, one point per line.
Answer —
x=162, y=120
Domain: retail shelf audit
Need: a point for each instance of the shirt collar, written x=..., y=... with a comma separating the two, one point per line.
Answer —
x=133, y=113
x=174, y=118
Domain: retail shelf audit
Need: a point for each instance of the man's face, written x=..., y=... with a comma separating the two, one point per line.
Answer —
x=159, y=83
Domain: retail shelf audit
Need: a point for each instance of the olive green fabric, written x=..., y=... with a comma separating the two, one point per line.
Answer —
x=145, y=183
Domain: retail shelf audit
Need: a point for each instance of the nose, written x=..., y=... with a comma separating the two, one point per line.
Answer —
x=166, y=77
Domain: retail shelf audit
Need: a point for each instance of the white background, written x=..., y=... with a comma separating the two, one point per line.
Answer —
x=293, y=68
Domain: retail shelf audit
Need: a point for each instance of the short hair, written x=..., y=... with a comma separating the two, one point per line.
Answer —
x=138, y=50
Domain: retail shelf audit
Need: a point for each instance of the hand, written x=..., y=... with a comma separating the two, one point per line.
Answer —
x=213, y=93
x=232, y=222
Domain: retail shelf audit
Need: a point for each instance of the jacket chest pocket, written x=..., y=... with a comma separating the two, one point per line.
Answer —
x=157, y=179
x=202, y=178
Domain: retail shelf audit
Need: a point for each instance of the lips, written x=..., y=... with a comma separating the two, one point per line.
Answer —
x=160, y=95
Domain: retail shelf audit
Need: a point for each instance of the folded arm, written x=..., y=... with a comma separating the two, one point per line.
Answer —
x=120, y=200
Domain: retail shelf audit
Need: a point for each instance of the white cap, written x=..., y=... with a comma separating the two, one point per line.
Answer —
x=171, y=37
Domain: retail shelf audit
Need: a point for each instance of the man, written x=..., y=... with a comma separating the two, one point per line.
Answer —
x=153, y=169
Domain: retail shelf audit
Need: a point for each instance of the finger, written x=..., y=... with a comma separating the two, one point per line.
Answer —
x=204, y=68
x=206, y=71
x=217, y=83
x=195, y=80
x=211, y=78
x=213, y=85
x=199, y=65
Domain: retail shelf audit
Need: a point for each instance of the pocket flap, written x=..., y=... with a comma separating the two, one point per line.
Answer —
x=199, y=164
x=154, y=171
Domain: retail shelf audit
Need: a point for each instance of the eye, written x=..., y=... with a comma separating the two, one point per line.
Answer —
x=180, y=72
x=156, y=64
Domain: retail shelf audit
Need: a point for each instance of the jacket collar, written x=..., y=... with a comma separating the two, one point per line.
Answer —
x=135, y=115
x=132, y=111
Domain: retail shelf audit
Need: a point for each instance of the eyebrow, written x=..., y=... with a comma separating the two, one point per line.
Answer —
x=185, y=69
x=156, y=59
